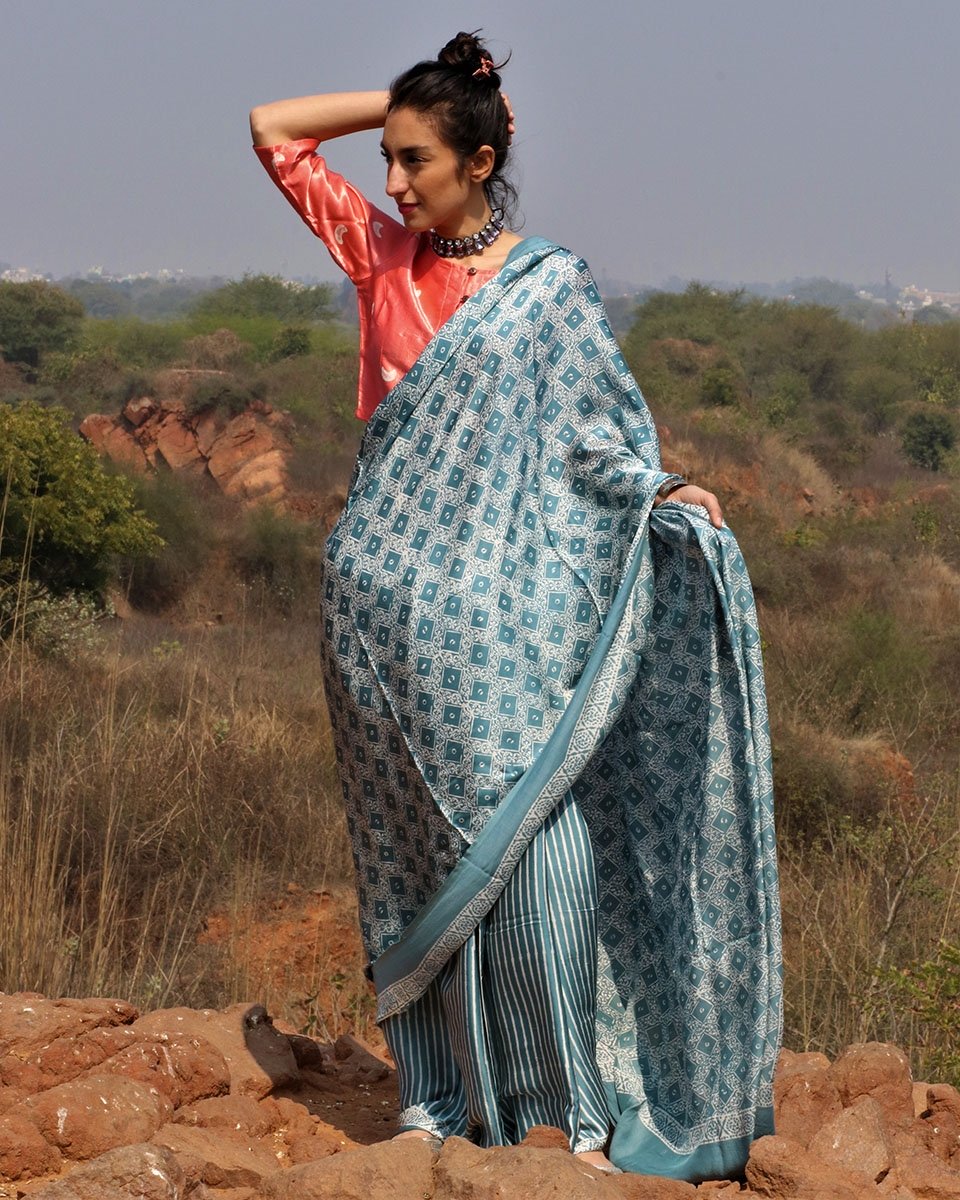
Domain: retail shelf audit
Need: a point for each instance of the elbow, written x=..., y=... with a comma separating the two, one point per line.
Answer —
x=263, y=130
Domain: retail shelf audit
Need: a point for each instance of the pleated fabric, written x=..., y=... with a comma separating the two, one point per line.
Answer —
x=504, y=1038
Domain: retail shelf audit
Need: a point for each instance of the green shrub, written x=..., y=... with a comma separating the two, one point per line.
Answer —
x=293, y=341
x=927, y=436
x=226, y=395
x=63, y=514
x=278, y=554
x=35, y=318
x=181, y=517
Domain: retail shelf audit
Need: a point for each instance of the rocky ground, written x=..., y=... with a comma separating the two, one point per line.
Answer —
x=98, y=1102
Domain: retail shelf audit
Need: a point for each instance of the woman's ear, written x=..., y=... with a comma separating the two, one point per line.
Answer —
x=480, y=164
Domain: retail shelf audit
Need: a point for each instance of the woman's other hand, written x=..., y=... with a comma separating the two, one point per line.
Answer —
x=689, y=493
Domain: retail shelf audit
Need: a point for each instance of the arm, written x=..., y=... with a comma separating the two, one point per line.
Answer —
x=320, y=117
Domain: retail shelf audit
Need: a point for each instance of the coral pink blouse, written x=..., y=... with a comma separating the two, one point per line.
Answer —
x=405, y=292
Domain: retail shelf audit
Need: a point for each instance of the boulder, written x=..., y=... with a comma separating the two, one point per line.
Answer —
x=856, y=1140
x=24, y=1152
x=258, y=1056
x=805, y=1095
x=240, y=1114
x=387, y=1171
x=921, y=1171
x=88, y=1116
x=137, y=1172
x=218, y=1157
x=780, y=1167
x=29, y=1021
x=880, y=1070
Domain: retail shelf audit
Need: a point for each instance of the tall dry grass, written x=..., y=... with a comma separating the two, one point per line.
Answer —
x=147, y=780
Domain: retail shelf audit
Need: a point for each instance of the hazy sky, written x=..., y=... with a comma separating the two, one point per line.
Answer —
x=746, y=140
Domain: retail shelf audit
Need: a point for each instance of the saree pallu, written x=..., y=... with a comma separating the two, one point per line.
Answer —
x=508, y=620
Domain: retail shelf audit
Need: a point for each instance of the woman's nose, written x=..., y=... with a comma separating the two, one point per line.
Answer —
x=396, y=180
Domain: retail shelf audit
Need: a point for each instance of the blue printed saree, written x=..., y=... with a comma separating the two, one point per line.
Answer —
x=509, y=620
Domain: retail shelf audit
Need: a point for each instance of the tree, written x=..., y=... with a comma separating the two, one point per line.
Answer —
x=36, y=317
x=267, y=296
x=927, y=436
x=60, y=512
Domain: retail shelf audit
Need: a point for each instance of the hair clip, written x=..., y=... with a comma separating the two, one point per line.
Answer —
x=486, y=66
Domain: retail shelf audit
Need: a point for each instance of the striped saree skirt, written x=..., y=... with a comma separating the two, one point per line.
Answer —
x=504, y=1038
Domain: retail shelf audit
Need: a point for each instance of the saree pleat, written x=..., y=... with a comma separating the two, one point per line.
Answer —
x=509, y=623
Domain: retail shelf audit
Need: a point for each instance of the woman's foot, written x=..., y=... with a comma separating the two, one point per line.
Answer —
x=420, y=1135
x=599, y=1161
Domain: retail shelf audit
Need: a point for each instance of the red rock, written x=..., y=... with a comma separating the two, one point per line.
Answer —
x=805, y=1095
x=919, y=1169
x=219, y=1158
x=24, y=1152
x=10, y=1097
x=138, y=1172
x=941, y=1122
x=139, y=410
x=296, y=1120
x=386, y=1171
x=856, y=1140
x=324, y=1141
x=184, y=1069
x=89, y=1116
x=240, y=1114
x=546, y=1137
x=29, y=1022
x=259, y=1058
x=357, y=1061
x=880, y=1070
x=782, y=1168
x=177, y=445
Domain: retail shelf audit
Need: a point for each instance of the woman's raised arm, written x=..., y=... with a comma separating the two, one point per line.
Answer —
x=320, y=117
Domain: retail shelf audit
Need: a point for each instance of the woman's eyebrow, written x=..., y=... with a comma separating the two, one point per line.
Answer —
x=408, y=149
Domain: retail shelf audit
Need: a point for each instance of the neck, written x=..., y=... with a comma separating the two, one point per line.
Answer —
x=473, y=216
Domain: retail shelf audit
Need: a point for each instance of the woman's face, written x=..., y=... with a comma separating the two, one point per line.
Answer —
x=426, y=179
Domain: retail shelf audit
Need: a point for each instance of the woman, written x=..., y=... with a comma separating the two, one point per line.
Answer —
x=543, y=674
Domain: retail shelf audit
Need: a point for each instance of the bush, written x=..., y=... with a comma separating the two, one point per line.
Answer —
x=64, y=515
x=267, y=296
x=293, y=341
x=927, y=436
x=182, y=520
x=276, y=552
x=36, y=317
x=224, y=395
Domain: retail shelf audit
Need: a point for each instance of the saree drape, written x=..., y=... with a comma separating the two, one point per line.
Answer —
x=509, y=620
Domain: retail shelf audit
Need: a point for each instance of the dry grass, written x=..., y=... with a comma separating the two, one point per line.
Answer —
x=148, y=781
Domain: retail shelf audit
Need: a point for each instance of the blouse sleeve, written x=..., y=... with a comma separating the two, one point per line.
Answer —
x=357, y=234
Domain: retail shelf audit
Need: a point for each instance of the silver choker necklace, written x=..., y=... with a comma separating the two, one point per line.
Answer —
x=473, y=243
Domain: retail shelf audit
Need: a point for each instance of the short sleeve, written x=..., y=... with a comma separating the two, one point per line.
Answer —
x=357, y=234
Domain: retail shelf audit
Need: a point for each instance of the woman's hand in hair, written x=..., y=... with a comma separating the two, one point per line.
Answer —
x=511, y=120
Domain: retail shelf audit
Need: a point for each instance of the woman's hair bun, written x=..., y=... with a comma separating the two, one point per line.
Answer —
x=467, y=53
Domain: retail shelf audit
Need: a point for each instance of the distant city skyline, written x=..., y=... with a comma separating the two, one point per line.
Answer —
x=751, y=141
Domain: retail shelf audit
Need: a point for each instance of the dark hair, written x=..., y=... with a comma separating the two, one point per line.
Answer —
x=459, y=91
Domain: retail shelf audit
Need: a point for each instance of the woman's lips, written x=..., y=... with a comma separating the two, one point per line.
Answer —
x=406, y=208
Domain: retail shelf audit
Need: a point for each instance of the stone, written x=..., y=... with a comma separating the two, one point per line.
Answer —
x=88, y=1116
x=137, y=1172
x=138, y=410
x=29, y=1021
x=880, y=1070
x=926, y=1175
x=258, y=1057
x=805, y=1095
x=220, y=1158
x=357, y=1062
x=546, y=1137
x=241, y=1114
x=856, y=1140
x=385, y=1171
x=67, y=1057
x=176, y=445
x=321, y=1143
x=24, y=1152
x=185, y=1069
x=780, y=1167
